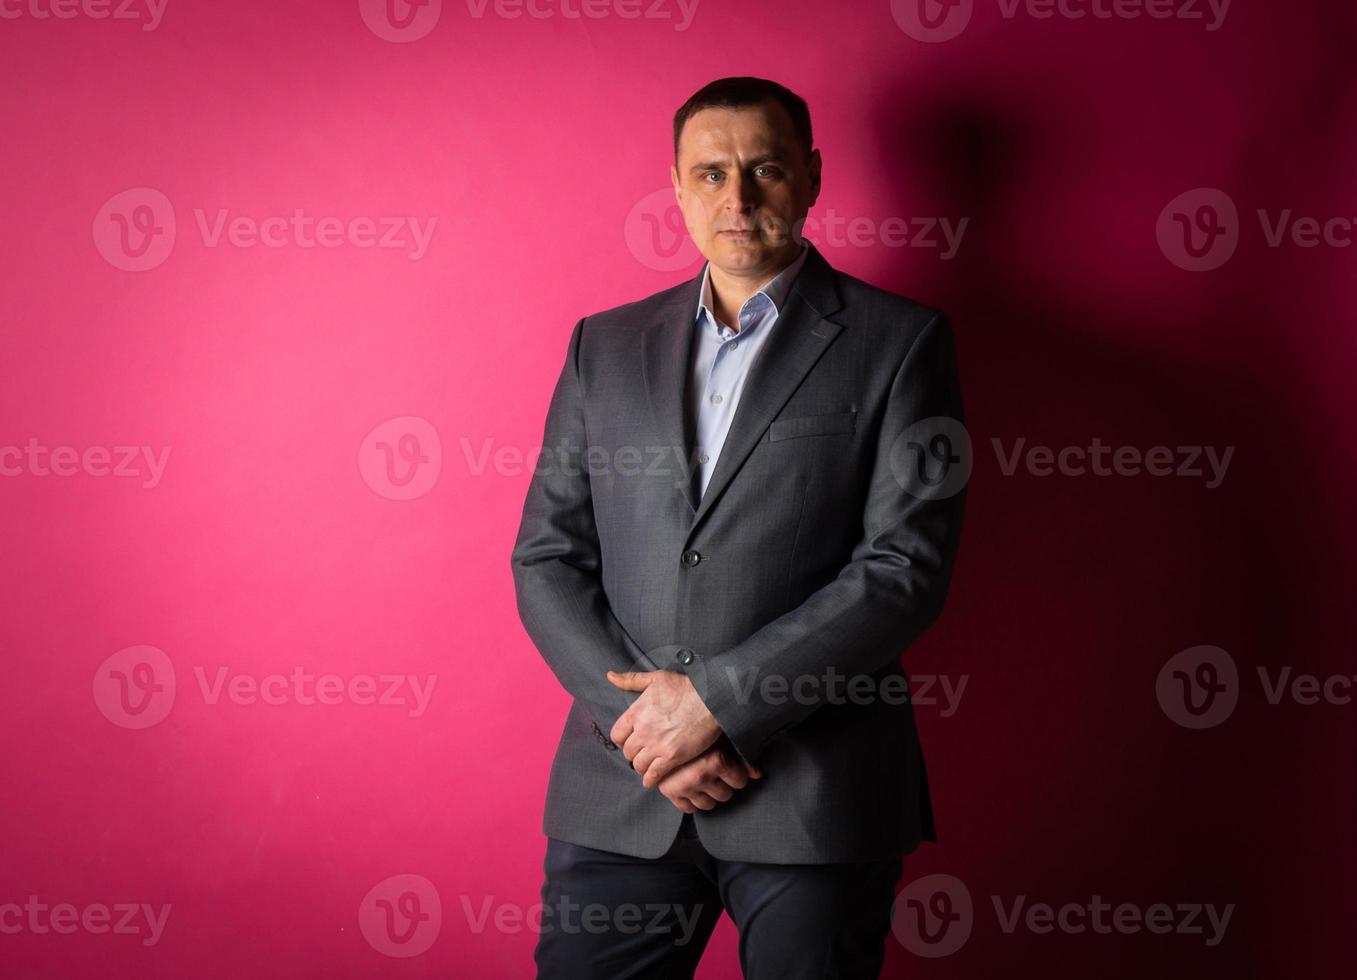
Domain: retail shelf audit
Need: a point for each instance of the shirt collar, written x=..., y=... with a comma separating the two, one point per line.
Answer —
x=775, y=290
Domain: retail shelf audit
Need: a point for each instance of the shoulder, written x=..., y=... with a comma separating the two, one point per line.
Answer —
x=881, y=308
x=889, y=321
x=641, y=311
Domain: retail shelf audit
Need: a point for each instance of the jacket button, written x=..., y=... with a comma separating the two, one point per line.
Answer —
x=685, y=656
x=691, y=557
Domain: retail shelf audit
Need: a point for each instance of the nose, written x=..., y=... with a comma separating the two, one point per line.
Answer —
x=741, y=194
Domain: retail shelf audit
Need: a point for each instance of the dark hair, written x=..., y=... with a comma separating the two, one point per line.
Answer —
x=744, y=90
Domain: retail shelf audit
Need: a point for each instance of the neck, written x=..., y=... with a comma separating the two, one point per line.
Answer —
x=730, y=290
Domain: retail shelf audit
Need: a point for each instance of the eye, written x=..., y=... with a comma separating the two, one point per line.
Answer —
x=765, y=171
x=711, y=173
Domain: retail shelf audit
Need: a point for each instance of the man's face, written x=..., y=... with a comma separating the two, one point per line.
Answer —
x=744, y=185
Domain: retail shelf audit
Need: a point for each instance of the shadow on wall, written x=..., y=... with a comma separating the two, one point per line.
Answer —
x=1072, y=591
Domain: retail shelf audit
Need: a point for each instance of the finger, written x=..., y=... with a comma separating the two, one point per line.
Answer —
x=683, y=804
x=732, y=759
x=717, y=790
x=622, y=730
x=642, y=763
x=630, y=680
x=733, y=776
x=727, y=770
x=676, y=797
x=701, y=800
x=734, y=772
x=633, y=746
x=656, y=769
x=678, y=782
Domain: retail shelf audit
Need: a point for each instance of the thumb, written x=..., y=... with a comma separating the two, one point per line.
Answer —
x=630, y=680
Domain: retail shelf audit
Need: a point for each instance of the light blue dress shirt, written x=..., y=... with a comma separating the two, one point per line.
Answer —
x=722, y=358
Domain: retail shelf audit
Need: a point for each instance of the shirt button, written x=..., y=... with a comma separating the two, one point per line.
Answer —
x=732, y=345
x=716, y=399
x=704, y=458
x=691, y=558
x=685, y=656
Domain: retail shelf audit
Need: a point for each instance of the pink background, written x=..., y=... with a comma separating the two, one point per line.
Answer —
x=274, y=539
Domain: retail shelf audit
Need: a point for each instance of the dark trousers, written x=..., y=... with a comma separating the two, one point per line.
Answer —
x=607, y=916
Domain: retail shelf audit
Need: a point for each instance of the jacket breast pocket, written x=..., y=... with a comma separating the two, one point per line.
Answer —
x=812, y=425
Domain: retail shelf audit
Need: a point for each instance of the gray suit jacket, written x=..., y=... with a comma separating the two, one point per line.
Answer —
x=811, y=555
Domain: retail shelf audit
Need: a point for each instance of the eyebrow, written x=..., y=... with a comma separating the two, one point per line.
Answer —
x=705, y=165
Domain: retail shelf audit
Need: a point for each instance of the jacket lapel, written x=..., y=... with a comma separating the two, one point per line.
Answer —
x=800, y=335
x=666, y=350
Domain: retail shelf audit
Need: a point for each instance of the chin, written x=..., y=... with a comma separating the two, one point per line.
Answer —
x=742, y=253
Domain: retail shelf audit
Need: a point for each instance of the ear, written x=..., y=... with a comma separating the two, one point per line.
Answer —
x=678, y=190
x=814, y=170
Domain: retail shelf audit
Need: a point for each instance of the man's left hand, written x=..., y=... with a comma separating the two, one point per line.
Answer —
x=665, y=727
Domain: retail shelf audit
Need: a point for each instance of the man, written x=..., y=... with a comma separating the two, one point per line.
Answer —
x=737, y=525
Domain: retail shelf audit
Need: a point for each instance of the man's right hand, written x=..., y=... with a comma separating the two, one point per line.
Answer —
x=711, y=778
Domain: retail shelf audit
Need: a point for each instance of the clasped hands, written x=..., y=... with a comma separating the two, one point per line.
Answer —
x=675, y=743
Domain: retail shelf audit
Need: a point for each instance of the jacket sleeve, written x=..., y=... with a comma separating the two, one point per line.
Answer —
x=892, y=588
x=557, y=564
